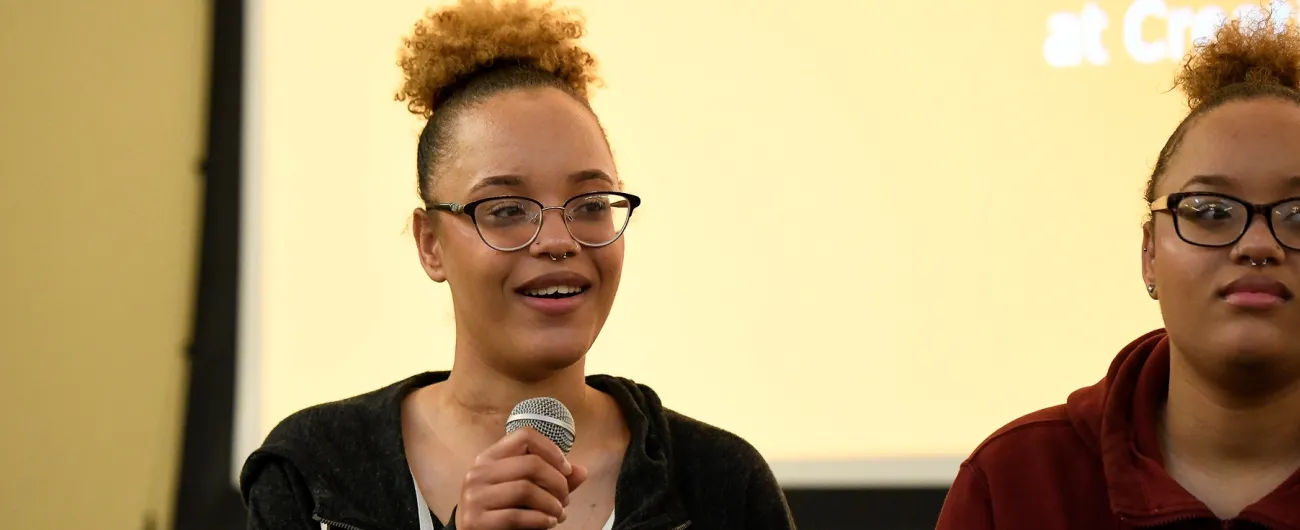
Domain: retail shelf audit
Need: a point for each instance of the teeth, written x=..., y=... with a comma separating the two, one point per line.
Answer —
x=554, y=289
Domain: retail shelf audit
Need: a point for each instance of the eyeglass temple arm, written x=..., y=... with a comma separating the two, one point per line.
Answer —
x=1160, y=204
x=448, y=207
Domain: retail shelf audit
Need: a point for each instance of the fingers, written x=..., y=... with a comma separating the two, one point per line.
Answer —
x=527, y=441
x=522, y=481
x=517, y=495
x=511, y=518
x=527, y=467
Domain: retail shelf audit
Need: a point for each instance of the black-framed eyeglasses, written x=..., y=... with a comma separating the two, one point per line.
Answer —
x=513, y=222
x=1207, y=219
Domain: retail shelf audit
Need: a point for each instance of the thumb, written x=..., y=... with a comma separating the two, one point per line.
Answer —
x=577, y=477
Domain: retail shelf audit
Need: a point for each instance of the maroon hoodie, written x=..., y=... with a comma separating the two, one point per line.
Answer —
x=1095, y=463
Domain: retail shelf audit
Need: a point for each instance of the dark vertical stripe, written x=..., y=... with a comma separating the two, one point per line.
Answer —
x=206, y=498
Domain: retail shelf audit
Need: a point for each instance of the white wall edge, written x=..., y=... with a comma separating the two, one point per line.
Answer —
x=903, y=472
x=248, y=342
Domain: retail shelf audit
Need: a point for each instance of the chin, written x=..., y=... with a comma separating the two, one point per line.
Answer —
x=555, y=350
x=559, y=357
x=1256, y=342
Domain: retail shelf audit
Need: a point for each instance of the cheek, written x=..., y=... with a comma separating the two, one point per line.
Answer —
x=609, y=263
x=474, y=269
x=1185, y=272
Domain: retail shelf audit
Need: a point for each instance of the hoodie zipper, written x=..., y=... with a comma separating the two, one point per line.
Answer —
x=326, y=524
x=683, y=526
x=1158, y=522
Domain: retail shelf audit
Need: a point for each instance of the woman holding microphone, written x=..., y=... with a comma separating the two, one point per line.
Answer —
x=523, y=217
x=1196, y=425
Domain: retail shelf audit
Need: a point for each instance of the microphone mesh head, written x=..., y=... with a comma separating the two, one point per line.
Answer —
x=547, y=416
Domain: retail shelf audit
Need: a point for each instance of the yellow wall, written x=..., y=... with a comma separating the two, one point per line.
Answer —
x=102, y=107
x=894, y=226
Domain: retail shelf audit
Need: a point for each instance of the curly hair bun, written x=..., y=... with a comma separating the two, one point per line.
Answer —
x=1255, y=50
x=451, y=44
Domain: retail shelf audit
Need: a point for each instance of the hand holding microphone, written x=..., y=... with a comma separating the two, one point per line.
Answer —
x=523, y=481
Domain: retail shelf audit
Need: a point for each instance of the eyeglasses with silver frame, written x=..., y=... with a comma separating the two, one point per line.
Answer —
x=512, y=222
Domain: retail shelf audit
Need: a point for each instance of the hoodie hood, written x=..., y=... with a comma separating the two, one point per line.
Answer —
x=1119, y=418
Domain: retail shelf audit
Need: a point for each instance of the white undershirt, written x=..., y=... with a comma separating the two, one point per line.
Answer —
x=426, y=517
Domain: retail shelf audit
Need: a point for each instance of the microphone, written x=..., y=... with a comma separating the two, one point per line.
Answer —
x=547, y=416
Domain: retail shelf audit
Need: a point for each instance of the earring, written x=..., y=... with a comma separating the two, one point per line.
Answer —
x=1151, y=291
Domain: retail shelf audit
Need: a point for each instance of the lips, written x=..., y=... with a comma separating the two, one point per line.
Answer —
x=1256, y=292
x=555, y=285
x=555, y=294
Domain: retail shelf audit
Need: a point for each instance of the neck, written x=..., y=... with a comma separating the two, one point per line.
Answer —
x=1217, y=426
x=485, y=395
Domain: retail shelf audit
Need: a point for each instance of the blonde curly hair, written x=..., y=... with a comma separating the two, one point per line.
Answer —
x=468, y=52
x=455, y=42
x=1245, y=59
x=1251, y=52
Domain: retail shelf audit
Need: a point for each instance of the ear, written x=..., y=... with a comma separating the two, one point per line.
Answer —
x=1148, y=254
x=427, y=245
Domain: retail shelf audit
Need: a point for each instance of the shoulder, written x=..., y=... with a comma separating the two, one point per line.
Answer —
x=352, y=431
x=347, y=422
x=692, y=443
x=1043, y=443
x=717, y=476
x=698, y=443
x=725, y=477
x=1047, y=421
x=1028, y=432
x=716, y=465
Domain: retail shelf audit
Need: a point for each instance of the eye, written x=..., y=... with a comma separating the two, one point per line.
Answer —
x=1289, y=212
x=1204, y=210
x=506, y=212
x=503, y=211
x=594, y=205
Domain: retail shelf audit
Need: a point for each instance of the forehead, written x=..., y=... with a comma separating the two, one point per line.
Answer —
x=1251, y=147
x=543, y=136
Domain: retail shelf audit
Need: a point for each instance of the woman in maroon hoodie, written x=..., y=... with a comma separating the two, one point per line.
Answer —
x=1196, y=425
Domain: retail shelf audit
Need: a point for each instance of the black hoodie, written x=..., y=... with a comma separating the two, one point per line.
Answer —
x=342, y=466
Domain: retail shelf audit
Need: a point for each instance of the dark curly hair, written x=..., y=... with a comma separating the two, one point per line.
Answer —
x=466, y=53
x=1246, y=59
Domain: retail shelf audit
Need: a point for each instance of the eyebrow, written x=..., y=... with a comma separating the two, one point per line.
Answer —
x=515, y=181
x=504, y=181
x=1292, y=182
x=1208, y=180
